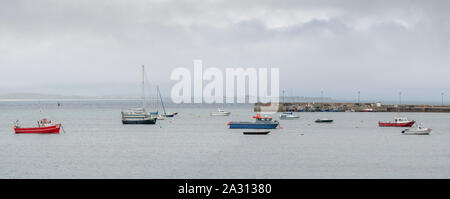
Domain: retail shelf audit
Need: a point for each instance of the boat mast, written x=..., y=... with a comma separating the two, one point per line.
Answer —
x=143, y=87
x=40, y=110
x=160, y=97
x=157, y=100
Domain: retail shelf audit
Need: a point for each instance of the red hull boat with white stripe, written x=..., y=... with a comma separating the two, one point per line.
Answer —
x=48, y=129
x=398, y=122
x=409, y=124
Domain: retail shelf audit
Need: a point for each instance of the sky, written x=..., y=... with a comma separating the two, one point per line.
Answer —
x=96, y=48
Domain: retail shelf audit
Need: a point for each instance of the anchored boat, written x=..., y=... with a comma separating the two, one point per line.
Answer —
x=256, y=132
x=165, y=114
x=260, y=123
x=420, y=130
x=288, y=116
x=139, y=115
x=398, y=122
x=128, y=118
x=44, y=126
x=324, y=120
x=220, y=112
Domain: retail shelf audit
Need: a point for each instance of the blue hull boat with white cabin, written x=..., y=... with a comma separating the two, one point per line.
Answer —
x=260, y=123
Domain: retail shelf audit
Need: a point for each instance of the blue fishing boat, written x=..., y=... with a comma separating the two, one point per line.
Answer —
x=260, y=123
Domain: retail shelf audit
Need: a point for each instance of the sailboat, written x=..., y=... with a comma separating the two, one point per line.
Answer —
x=139, y=115
x=165, y=114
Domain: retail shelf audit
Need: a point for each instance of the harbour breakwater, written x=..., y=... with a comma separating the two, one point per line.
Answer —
x=354, y=107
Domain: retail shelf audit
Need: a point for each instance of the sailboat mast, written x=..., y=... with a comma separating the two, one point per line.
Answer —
x=143, y=87
x=157, y=100
x=160, y=97
x=40, y=109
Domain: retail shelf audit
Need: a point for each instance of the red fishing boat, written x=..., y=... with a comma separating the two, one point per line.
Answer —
x=44, y=126
x=398, y=122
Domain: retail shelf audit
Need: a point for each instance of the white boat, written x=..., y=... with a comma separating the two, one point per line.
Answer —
x=165, y=114
x=161, y=117
x=420, y=130
x=220, y=112
x=288, y=116
x=139, y=115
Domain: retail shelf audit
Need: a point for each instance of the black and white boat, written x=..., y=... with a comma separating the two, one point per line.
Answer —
x=324, y=120
x=256, y=132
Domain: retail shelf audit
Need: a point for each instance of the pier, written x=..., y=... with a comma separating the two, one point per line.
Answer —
x=354, y=107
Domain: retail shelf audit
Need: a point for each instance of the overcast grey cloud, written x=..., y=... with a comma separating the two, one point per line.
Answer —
x=86, y=47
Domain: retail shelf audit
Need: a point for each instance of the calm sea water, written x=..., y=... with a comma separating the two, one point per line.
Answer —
x=195, y=145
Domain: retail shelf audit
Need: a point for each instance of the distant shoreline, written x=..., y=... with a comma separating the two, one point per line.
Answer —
x=68, y=99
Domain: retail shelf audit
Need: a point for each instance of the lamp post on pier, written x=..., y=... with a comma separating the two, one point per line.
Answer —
x=359, y=99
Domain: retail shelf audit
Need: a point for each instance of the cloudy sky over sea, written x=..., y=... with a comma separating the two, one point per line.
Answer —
x=84, y=47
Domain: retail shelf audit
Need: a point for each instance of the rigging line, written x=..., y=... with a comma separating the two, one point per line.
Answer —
x=47, y=115
x=162, y=103
x=149, y=89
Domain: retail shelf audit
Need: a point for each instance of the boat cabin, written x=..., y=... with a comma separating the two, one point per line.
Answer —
x=401, y=119
x=44, y=122
x=265, y=118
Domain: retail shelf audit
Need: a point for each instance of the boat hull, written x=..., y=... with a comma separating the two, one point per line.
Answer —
x=249, y=125
x=416, y=132
x=43, y=130
x=283, y=117
x=405, y=124
x=324, y=121
x=256, y=132
x=139, y=121
x=220, y=114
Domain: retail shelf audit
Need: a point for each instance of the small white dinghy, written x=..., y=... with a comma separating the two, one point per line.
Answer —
x=220, y=112
x=288, y=116
x=419, y=130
